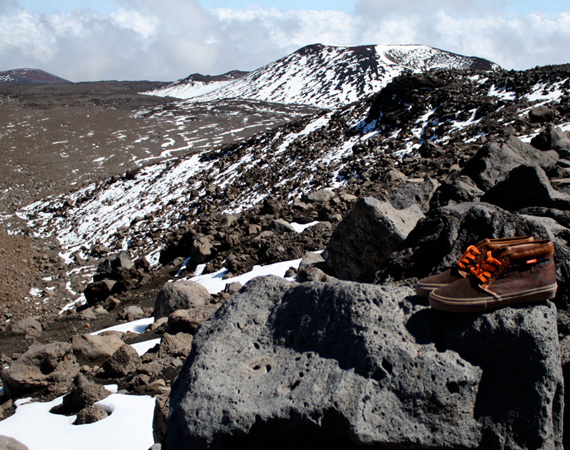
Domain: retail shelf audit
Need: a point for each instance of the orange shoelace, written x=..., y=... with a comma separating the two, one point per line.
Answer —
x=468, y=257
x=486, y=268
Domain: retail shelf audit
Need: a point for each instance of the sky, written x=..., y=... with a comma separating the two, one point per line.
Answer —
x=91, y=40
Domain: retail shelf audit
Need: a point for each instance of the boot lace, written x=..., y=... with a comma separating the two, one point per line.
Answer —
x=468, y=257
x=486, y=268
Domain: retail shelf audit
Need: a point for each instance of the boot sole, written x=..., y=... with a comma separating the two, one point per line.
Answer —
x=489, y=303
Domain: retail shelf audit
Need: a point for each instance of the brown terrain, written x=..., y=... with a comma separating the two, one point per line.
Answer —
x=57, y=138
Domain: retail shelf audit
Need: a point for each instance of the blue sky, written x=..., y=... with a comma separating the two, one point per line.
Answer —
x=85, y=40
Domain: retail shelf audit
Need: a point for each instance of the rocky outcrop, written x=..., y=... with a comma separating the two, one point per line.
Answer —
x=274, y=368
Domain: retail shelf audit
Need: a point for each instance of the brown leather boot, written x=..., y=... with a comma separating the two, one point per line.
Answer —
x=470, y=258
x=512, y=274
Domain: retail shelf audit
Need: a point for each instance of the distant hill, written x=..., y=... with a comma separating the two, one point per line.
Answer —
x=323, y=75
x=30, y=76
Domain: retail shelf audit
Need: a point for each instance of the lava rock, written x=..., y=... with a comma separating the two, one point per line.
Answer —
x=284, y=365
x=493, y=162
x=90, y=414
x=39, y=367
x=8, y=443
x=123, y=362
x=95, y=349
x=366, y=237
x=525, y=187
x=181, y=294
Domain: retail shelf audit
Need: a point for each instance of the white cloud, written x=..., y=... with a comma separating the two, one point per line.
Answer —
x=167, y=40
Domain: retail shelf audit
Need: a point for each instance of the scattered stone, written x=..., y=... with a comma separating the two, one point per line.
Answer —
x=280, y=226
x=83, y=393
x=132, y=313
x=178, y=344
x=493, y=162
x=42, y=366
x=111, y=265
x=160, y=417
x=541, y=114
x=94, y=349
x=322, y=196
x=29, y=327
x=123, y=362
x=180, y=295
x=90, y=414
x=188, y=320
x=99, y=291
x=525, y=187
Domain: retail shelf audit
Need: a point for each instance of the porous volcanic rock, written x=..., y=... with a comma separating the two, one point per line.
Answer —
x=365, y=238
x=299, y=365
x=39, y=367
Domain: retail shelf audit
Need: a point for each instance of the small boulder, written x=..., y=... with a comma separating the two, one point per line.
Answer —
x=28, y=327
x=280, y=226
x=524, y=187
x=188, y=320
x=8, y=443
x=83, y=393
x=94, y=349
x=123, y=362
x=541, y=114
x=99, y=291
x=111, y=265
x=90, y=414
x=183, y=294
x=39, y=367
x=366, y=237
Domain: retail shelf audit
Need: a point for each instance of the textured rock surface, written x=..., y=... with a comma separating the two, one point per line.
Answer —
x=366, y=237
x=40, y=366
x=8, y=443
x=283, y=365
x=179, y=295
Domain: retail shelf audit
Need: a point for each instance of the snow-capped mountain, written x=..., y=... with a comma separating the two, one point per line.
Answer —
x=30, y=76
x=326, y=76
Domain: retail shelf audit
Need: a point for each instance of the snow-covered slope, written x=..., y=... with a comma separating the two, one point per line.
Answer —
x=327, y=76
x=196, y=85
x=329, y=150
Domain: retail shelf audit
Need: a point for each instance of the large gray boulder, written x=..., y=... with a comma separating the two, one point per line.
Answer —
x=366, y=236
x=307, y=365
x=525, y=187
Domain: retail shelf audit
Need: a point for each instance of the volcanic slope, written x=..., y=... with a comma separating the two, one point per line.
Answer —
x=326, y=76
x=423, y=125
x=57, y=137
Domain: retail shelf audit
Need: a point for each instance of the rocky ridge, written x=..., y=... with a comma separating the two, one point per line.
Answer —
x=325, y=76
